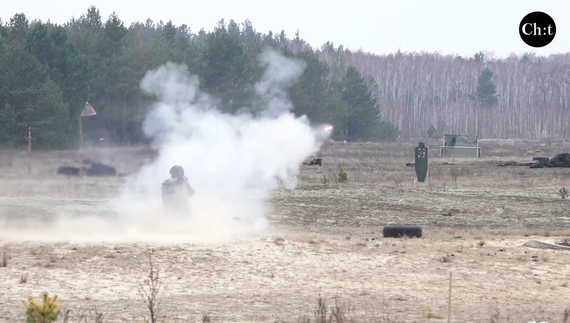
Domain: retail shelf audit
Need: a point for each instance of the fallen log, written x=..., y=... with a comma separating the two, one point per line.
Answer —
x=515, y=163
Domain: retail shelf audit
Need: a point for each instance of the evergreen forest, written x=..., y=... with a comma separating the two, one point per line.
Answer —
x=49, y=71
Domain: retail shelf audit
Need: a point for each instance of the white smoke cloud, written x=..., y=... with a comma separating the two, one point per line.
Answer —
x=281, y=73
x=232, y=161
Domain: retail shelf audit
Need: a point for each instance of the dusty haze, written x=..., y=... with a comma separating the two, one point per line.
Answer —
x=232, y=161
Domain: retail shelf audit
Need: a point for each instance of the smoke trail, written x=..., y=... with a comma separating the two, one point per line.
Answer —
x=233, y=161
x=281, y=73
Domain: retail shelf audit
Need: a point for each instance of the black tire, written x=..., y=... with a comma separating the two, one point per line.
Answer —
x=98, y=169
x=398, y=231
x=560, y=160
x=563, y=156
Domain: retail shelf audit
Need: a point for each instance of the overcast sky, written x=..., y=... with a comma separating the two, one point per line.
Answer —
x=377, y=26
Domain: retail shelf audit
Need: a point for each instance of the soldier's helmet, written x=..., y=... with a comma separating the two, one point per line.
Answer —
x=177, y=171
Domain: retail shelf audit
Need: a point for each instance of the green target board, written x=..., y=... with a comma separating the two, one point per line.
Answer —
x=421, y=154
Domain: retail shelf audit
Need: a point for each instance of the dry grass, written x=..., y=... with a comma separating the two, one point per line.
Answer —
x=431, y=315
x=339, y=312
x=446, y=258
x=475, y=216
x=563, y=192
x=371, y=163
x=84, y=316
x=279, y=241
x=4, y=262
x=151, y=290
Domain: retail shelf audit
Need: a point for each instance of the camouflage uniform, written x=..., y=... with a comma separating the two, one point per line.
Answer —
x=176, y=189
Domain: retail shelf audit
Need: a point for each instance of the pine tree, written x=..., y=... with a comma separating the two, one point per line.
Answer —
x=46, y=312
x=486, y=89
x=361, y=113
x=309, y=93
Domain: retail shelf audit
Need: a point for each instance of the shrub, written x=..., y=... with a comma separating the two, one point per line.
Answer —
x=342, y=176
x=387, y=131
x=46, y=312
x=433, y=133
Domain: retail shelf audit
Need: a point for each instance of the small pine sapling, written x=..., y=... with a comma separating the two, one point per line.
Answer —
x=342, y=176
x=46, y=312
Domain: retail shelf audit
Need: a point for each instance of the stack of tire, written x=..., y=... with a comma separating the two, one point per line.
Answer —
x=560, y=160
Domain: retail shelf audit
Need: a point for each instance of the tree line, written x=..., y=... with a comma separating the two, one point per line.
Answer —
x=48, y=72
x=522, y=96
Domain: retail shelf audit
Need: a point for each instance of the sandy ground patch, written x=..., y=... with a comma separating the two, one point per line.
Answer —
x=62, y=235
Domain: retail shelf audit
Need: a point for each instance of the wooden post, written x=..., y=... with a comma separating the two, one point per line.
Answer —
x=80, y=141
x=449, y=304
x=87, y=111
x=29, y=150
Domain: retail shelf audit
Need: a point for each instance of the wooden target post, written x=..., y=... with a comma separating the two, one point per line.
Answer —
x=87, y=112
x=29, y=150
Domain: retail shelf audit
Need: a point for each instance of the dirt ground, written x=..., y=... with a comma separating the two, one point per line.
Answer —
x=323, y=239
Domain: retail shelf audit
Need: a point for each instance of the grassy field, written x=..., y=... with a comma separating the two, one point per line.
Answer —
x=323, y=239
